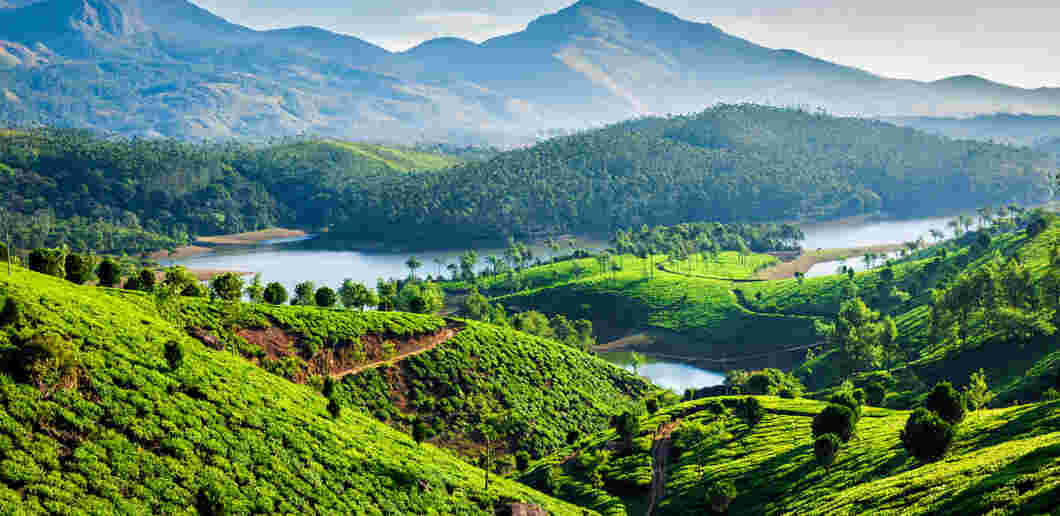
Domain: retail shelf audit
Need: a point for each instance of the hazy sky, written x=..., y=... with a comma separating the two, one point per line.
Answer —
x=922, y=39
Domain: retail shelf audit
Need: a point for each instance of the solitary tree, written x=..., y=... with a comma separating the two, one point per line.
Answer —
x=412, y=263
x=927, y=436
x=825, y=449
x=227, y=286
x=945, y=401
x=146, y=280
x=977, y=392
x=325, y=297
x=275, y=294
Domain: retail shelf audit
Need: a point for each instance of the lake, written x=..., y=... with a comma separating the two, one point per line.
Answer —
x=290, y=263
x=669, y=374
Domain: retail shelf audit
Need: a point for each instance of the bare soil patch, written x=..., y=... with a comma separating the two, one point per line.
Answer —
x=180, y=253
x=806, y=261
x=251, y=238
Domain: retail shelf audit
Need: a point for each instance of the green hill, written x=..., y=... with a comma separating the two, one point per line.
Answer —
x=94, y=419
x=1004, y=461
x=115, y=195
x=728, y=163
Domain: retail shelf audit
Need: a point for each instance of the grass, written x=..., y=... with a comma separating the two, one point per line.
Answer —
x=728, y=265
x=396, y=158
x=218, y=434
x=1004, y=461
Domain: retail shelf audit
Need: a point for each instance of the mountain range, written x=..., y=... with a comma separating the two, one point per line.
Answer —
x=170, y=68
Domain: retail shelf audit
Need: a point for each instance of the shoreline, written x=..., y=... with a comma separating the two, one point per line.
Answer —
x=207, y=245
x=806, y=261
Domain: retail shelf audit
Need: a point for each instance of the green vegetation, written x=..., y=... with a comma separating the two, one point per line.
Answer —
x=1007, y=461
x=544, y=390
x=115, y=195
x=100, y=421
x=728, y=163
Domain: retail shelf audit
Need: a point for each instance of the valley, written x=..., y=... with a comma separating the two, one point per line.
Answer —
x=593, y=258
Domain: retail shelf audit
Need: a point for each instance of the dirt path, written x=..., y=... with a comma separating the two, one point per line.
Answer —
x=442, y=337
x=660, y=457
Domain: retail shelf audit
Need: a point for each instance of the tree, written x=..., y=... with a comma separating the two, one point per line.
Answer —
x=825, y=449
x=109, y=273
x=857, y=335
x=467, y=264
x=977, y=392
x=227, y=286
x=303, y=294
x=275, y=294
x=835, y=419
x=325, y=297
x=420, y=298
x=48, y=261
x=752, y=411
x=927, y=436
x=412, y=263
x=476, y=306
x=334, y=408
x=174, y=354
x=146, y=280
x=945, y=401
x=875, y=393
x=355, y=295
x=255, y=291
x=720, y=495
x=10, y=314
x=78, y=268
x=628, y=426
x=419, y=431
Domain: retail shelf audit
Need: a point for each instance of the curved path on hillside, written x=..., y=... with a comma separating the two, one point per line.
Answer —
x=440, y=338
x=660, y=458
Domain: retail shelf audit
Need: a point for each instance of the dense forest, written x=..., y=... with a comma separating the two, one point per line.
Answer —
x=732, y=163
x=729, y=163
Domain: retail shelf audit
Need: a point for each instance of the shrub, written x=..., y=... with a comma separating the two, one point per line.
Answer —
x=78, y=268
x=227, y=286
x=303, y=293
x=522, y=460
x=847, y=399
x=752, y=411
x=329, y=387
x=10, y=314
x=48, y=261
x=132, y=283
x=719, y=495
x=772, y=381
x=419, y=431
x=926, y=435
x=652, y=405
x=147, y=280
x=174, y=354
x=573, y=436
x=875, y=393
x=50, y=361
x=334, y=408
x=947, y=402
x=1050, y=395
x=628, y=427
x=275, y=294
x=835, y=419
x=825, y=448
x=325, y=297
x=109, y=273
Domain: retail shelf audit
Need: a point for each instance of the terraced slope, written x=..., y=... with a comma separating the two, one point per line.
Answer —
x=1004, y=461
x=102, y=424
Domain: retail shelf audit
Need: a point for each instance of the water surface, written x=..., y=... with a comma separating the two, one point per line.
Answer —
x=669, y=374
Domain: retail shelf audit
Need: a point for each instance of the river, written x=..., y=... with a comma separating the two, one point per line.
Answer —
x=290, y=263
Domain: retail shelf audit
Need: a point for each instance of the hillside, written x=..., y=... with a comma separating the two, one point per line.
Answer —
x=1003, y=461
x=729, y=163
x=1026, y=130
x=170, y=68
x=711, y=310
x=135, y=195
x=99, y=421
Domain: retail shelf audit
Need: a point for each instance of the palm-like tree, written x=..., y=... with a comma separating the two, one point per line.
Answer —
x=412, y=263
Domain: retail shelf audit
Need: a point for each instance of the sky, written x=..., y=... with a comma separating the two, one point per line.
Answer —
x=909, y=39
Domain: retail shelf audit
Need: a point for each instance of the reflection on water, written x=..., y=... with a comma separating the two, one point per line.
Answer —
x=676, y=376
x=832, y=235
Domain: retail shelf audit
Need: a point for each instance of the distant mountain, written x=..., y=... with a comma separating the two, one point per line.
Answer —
x=1025, y=130
x=168, y=67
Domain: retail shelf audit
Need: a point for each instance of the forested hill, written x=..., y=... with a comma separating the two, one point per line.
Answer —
x=729, y=163
x=75, y=187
